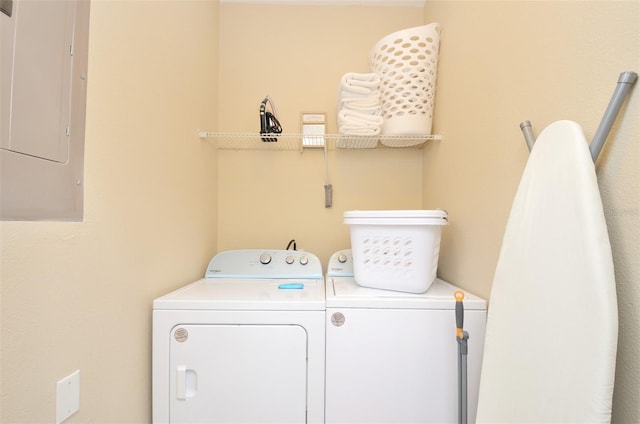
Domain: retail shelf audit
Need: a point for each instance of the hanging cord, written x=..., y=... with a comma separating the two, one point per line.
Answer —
x=328, y=188
x=269, y=123
x=292, y=242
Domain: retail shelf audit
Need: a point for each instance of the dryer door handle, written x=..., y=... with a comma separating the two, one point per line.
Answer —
x=186, y=382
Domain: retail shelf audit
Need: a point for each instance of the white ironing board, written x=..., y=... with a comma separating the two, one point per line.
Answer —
x=552, y=326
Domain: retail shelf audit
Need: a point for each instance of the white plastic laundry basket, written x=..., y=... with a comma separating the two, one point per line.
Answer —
x=396, y=250
x=407, y=63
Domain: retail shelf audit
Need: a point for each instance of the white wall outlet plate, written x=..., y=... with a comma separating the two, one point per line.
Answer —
x=67, y=397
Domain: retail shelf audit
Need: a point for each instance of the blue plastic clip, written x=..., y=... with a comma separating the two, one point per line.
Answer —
x=291, y=286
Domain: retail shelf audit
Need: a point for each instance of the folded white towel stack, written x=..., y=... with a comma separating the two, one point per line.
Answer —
x=359, y=110
x=354, y=84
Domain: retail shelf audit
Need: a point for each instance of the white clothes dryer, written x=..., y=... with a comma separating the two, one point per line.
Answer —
x=243, y=345
x=392, y=357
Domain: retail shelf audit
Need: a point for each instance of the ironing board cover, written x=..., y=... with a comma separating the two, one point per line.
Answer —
x=552, y=326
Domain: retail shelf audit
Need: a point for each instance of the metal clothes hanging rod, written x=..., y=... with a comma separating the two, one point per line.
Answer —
x=625, y=82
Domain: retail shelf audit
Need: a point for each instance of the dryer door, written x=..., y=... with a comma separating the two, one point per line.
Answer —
x=238, y=374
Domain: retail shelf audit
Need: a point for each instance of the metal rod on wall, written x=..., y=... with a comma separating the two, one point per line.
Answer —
x=625, y=82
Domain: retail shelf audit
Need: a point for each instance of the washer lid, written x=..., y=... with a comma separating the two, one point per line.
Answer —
x=344, y=292
x=246, y=295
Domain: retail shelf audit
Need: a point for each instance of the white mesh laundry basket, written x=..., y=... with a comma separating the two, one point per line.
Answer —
x=396, y=250
x=407, y=63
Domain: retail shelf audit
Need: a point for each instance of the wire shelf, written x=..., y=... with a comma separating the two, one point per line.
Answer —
x=254, y=141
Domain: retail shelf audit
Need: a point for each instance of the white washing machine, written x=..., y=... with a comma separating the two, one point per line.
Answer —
x=243, y=345
x=392, y=357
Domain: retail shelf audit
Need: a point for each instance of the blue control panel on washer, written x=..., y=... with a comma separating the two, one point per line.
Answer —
x=255, y=263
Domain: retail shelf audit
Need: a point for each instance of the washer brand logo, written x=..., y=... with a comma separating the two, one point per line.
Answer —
x=181, y=335
x=215, y=270
x=337, y=319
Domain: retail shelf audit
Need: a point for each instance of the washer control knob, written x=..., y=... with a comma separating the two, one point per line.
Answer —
x=342, y=258
x=290, y=259
x=304, y=260
x=265, y=258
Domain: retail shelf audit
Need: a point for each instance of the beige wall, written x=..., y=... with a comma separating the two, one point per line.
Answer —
x=78, y=295
x=297, y=55
x=505, y=62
